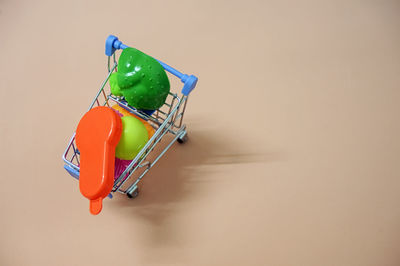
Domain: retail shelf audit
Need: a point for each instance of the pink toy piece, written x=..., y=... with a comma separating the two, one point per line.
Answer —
x=120, y=166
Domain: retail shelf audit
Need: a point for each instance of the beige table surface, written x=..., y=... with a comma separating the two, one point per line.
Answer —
x=293, y=157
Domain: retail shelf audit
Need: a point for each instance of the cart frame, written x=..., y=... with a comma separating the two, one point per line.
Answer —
x=167, y=119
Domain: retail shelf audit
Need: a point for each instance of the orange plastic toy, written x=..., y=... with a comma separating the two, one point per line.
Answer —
x=97, y=135
x=124, y=112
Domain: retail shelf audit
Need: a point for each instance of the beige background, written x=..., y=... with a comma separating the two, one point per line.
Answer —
x=293, y=156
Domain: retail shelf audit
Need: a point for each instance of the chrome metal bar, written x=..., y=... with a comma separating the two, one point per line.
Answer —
x=158, y=110
x=102, y=86
x=131, y=188
x=145, y=164
x=135, y=160
x=186, y=98
x=129, y=108
x=105, y=99
x=75, y=154
x=156, y=141
x=172, y=103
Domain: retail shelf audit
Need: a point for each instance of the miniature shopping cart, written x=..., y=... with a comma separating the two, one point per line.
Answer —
x=167, y=120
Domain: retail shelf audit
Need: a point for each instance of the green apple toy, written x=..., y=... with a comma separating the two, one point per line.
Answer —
x=133, y=138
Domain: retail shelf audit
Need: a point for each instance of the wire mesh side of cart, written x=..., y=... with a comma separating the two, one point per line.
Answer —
x=167, y=119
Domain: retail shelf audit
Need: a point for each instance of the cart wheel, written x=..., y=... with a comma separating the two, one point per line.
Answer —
x=134, y=194
x=183, y=139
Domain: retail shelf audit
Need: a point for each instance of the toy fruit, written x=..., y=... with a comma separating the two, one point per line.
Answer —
x=114, y=84
x=97, y=136
x=120, y=167
x=133, y=138
x=123, y=112
x=140, y=79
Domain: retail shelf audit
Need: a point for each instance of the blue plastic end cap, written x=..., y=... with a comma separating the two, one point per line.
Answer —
x=110, y=45
x=189, y=85
x=73, y=172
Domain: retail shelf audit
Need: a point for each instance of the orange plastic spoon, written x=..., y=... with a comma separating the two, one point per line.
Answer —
x=97, y=135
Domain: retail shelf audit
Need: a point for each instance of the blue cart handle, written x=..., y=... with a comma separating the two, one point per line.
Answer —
x=113, y=44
